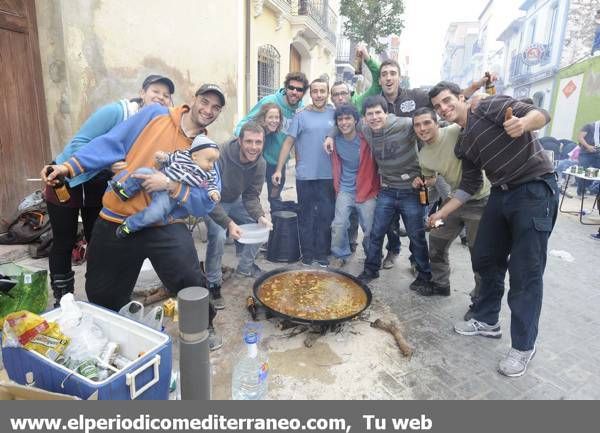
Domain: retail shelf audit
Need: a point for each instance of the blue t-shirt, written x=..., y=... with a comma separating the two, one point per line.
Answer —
x=349, y=153
x=309, y=129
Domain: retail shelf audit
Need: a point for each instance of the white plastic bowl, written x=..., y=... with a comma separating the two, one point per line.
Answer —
x=254, y=234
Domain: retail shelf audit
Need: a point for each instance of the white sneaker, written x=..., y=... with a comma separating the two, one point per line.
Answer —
x=475, y=327
x=515, y=363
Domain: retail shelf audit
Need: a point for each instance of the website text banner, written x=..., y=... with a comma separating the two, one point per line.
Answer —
x=300, y=416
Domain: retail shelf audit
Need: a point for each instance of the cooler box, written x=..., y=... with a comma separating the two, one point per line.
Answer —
x=145, y=378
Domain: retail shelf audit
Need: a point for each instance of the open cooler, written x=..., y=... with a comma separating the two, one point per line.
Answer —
x=146, y=377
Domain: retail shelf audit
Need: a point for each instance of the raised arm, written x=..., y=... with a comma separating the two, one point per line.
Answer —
x=286, y=148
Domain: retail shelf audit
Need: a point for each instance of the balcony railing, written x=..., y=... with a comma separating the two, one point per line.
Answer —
x=521, y=72
x=322, y=14
x=344, y=51
x=518, y=68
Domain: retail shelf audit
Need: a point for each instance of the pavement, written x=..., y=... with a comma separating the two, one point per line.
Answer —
x=360, y=362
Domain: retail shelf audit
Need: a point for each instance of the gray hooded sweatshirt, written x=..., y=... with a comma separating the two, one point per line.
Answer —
x=239, y=179
x=395, y=151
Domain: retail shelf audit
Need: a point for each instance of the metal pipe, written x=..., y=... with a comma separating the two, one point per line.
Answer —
x=194, y=359
x=247, y=64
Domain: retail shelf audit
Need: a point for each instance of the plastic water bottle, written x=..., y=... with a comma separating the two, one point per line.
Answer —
x=133, y=310
x=251, y=372
x=154, y=318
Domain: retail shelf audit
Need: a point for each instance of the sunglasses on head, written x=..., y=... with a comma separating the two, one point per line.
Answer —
x=297, y=89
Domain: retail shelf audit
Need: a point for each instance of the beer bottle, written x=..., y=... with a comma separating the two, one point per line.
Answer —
x=251, y=307
x=358, y=64
x=60, y=188
x=490, y=87
x=275, y=190
x=423, y=193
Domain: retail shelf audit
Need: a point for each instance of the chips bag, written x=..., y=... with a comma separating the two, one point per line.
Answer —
x=33, y=332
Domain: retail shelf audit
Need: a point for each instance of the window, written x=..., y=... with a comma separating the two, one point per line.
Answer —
x=268, y=70
x=530, y=39
x=538, y=99
x=552, y=17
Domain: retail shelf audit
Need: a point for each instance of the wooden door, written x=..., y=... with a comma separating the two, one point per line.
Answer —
x=24, y=141
x=295, y=60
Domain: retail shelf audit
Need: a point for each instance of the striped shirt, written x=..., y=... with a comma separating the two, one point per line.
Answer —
x=180, y=167
x=484, y=145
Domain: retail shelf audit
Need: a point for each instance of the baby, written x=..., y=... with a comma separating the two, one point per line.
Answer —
x=193, y=167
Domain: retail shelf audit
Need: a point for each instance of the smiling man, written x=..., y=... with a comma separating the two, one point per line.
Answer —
x=403, y=102
x=289, y=100
x=356, y=183
x=314, y=179
x=114, y=264
x=437, y=157
x=392, y=142
x=518, y=219
x=243, y=174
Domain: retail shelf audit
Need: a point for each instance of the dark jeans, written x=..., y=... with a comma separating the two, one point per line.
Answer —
x=64, y=233
x=353, y=228
x=114, y=264
x=587, y=159
x=515, y=223
x=63, y=220
x=316, y=204
x=392, y=203
x=393, y=237
x=268, y=174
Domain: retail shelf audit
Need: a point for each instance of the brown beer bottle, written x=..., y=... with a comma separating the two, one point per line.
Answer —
x=358, y=64
x=60, y=188
x=490, y=87
x=423, y=193
x=251, y=306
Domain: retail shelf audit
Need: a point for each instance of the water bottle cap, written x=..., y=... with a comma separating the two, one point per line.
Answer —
x=251, y=338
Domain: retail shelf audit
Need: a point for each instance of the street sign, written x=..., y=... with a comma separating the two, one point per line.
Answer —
x=569, y=88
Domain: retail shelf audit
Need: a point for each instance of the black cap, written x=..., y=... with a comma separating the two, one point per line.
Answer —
x=212, y=88
x=151, y=79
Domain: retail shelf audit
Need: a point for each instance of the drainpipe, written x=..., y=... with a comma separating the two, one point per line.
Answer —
x=248, y=55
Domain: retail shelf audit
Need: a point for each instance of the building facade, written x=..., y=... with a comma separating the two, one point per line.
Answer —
x=549, y=58
x=533, y=46
x=90, y=53
x=460, y=44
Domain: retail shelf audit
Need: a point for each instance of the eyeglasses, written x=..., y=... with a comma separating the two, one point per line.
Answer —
x=297, y=89
x=335, y=95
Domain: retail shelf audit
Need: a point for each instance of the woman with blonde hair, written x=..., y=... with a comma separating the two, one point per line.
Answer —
x=270, y=118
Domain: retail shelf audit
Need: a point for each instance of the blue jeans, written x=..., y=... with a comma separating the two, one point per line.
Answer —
x=587, y=159
x=156, y=212
x=316, y=201
x=216, y=243
x=517, y=224
x=393, y=237
x=390, y=204
x=344, y=204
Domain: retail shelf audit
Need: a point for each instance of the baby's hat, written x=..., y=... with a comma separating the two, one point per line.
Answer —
x=202, y=142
